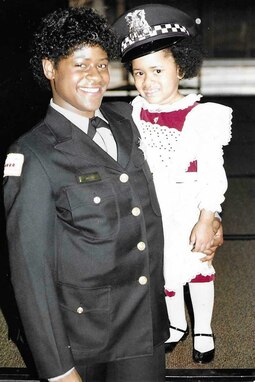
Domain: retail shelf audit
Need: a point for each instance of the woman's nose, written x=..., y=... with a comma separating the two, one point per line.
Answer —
x=93, y=73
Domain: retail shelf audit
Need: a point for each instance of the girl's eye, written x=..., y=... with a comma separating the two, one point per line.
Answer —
x=158, y=71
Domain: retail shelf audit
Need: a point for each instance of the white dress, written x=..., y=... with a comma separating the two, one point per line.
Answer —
x=182, y=194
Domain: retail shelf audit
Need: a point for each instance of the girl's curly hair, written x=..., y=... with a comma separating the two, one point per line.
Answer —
x=188, y=55
x=65, y=30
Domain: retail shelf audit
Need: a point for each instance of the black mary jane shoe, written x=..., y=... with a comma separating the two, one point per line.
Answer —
x=169, y=346
x=205, y=357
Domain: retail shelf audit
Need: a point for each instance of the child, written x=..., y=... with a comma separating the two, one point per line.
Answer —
x=182, y=140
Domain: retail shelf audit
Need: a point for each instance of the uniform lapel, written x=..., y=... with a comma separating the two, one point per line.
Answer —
x=122, y=132
x=71, y=140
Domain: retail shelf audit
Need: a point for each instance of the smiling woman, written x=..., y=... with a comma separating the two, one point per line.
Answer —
x=82, y=255
x=79, y=81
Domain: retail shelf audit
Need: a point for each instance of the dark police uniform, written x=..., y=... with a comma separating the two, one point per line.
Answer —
x=86, y=244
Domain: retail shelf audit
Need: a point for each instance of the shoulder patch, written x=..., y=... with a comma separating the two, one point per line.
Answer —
x=13, y=164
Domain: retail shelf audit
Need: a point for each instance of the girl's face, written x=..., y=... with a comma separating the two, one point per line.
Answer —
x=155, y=77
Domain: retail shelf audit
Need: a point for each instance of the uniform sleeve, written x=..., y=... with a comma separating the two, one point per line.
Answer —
x=30, y=221
x=213, y=127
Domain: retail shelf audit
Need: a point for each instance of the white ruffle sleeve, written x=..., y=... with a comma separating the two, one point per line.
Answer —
x=211, y=123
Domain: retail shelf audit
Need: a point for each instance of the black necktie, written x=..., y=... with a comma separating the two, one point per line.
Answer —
x=95, y=123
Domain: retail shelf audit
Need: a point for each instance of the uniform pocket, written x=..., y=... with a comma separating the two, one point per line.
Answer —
x=86, y=315
x=93, y=209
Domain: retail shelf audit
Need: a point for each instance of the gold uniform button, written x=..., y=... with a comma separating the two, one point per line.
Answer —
x=136, y=211
x=97, y=199
x=124, y=178
x=141, y=246
x=143, y=280
x=79, y=310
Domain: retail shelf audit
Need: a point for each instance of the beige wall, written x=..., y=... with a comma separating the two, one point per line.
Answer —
x=97, y=4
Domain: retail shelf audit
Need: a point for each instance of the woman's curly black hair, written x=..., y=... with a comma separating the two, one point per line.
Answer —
x=65, y=30
x=188, y=55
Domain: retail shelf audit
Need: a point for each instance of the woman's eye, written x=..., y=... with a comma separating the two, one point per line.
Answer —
x=103, y=66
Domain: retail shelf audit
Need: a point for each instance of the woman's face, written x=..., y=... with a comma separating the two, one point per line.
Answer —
x=80, y=80
x=156, y=77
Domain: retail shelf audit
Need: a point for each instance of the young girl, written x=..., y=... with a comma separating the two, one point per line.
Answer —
x=182, y=140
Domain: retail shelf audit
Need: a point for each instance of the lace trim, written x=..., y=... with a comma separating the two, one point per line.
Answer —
x=182, y=104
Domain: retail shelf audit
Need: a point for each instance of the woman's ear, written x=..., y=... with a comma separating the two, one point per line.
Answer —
x=48, y=69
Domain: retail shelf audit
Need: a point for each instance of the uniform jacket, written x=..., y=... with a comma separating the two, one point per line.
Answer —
x=86, y=245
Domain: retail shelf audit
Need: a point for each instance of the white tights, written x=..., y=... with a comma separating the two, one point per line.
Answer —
x=202, y=298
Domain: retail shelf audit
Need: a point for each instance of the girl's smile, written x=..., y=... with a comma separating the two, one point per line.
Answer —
x=156, y=77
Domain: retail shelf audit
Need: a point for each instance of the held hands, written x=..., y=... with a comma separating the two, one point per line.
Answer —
x=217, y=241
x=202, y=233
x=207, y=235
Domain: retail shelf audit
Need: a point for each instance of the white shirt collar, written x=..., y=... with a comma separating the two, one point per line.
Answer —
x=76, y=119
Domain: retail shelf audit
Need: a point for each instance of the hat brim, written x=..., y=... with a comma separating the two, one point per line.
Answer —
x=154, y=45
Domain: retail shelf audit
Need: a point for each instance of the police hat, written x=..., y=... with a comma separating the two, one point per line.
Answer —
x=151, y=27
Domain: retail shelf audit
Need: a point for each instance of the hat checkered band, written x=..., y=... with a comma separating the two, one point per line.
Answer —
x=157, y=30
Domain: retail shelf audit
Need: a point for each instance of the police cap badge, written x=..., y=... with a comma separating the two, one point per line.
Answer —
x=151, y=27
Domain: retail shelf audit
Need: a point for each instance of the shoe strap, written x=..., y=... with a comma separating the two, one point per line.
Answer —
x=180, y=330
x=203, y=334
